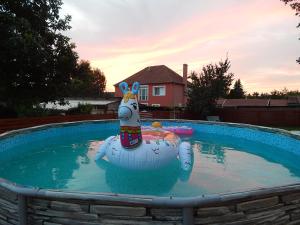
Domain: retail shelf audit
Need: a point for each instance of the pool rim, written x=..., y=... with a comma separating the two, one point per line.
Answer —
x=148, y=200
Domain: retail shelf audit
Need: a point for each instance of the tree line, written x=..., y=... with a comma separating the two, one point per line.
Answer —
x=275, y=94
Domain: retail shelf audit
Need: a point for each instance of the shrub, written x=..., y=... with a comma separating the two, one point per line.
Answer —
x=81, y=109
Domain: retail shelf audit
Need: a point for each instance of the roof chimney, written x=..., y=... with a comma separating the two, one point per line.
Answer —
x=185, y=72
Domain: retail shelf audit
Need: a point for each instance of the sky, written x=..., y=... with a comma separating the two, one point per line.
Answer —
x=121, y=37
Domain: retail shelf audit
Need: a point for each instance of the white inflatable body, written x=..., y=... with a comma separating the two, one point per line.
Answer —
x=151, y=154
x=152, y=148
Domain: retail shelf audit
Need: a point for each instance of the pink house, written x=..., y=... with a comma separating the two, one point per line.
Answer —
x=160, y=86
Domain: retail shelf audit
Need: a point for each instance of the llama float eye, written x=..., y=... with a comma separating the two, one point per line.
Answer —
x=134, y=105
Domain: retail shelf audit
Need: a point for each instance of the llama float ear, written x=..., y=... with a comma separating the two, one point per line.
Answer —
x=123, y=87
x=135, y=88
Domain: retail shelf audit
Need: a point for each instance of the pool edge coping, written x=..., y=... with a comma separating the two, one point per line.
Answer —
x=237, y=125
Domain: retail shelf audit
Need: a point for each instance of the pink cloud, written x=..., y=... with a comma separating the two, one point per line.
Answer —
x=200, y=39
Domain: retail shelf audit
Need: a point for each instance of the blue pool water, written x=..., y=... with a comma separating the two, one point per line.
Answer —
x=226, y=159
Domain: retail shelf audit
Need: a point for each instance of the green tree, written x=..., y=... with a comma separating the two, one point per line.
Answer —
x=99, y=82
x=237, y=91
x=295, y=5
x=87, y=82
x=36, y=59
x=211, y=83
x=81, y=80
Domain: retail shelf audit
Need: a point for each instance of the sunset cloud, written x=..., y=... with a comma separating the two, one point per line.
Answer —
x=122, y=37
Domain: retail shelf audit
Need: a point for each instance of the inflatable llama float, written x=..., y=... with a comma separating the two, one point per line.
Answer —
x=139, y=149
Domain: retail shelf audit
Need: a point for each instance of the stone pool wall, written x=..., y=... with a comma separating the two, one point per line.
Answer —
x=269, y=208
x=8, y=207
x=278, y=209
x=53, y=212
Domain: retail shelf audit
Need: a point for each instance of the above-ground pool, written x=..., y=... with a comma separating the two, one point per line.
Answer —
x=228, y=158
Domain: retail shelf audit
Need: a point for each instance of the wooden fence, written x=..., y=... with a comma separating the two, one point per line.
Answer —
x=17, y=123
x=277, y=116
x=289, y=117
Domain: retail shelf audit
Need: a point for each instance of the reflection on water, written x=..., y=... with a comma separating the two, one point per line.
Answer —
x=136, y=182
x=45, y=166
x=221, y=164
x=211, y=151
x=150, y=182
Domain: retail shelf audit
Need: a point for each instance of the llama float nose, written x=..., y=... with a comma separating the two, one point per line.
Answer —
x=124, y=113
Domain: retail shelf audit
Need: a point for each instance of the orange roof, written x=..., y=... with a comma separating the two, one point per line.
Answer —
x=154, y=75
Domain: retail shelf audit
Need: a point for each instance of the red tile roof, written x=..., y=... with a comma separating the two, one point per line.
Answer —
x=154, y=75
x=252, y=102
x=245, y=102
x=278, y=102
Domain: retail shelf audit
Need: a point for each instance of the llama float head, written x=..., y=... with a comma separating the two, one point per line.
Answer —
x=128, y=114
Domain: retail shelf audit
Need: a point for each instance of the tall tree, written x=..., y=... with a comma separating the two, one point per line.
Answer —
x=211, y=83
x=86, y=81
x=237, y=91
x=36, y=59
x=295, y=5
x=99, y=82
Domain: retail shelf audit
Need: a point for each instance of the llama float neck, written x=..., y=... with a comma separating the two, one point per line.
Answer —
x=128, y=114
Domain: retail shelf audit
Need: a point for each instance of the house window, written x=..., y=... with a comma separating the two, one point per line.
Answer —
x=159, y=91
x=155, y=105
x=143, y=93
